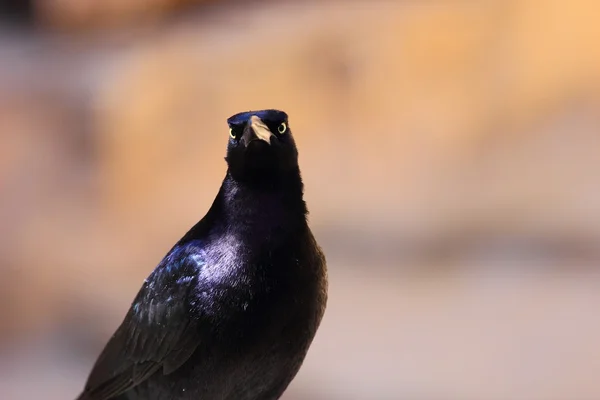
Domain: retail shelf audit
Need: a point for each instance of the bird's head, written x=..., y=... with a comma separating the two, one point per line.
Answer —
x=261, y=147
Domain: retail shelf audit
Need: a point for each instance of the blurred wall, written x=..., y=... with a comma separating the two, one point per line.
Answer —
x=450, y=153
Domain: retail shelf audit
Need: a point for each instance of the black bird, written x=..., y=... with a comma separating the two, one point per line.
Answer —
x=231, y=310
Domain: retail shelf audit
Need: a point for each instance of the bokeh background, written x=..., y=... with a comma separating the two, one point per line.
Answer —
x=451, y=155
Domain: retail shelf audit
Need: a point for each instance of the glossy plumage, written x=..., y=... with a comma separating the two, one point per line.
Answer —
x=232, y=309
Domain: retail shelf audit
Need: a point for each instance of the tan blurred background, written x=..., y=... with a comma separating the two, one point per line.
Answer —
x=451, y=155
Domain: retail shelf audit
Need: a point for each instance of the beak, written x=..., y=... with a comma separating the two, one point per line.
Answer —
x=261, y=131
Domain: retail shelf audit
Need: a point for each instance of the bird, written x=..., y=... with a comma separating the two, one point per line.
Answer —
x=232, y=309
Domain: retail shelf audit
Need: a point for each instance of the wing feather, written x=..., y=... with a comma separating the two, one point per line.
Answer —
x=158, y=331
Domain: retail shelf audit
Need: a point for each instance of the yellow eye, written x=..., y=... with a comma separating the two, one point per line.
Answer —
x=282, y=128
x=231, y=133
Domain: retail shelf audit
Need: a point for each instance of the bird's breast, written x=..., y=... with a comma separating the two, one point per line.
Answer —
x=262, y=288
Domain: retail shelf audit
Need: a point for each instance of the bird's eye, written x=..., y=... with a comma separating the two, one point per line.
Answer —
x=282, y=128
x=231, y=133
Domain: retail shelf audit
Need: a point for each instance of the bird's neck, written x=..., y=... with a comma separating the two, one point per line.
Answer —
x=263, y=209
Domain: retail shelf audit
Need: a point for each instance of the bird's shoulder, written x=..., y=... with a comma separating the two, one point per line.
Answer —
x=160, y=331
x=172, y=279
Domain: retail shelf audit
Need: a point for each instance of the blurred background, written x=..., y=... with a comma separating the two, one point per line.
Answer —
x=451, y=155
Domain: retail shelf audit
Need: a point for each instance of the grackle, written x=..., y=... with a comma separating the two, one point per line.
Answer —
x=231, y=310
